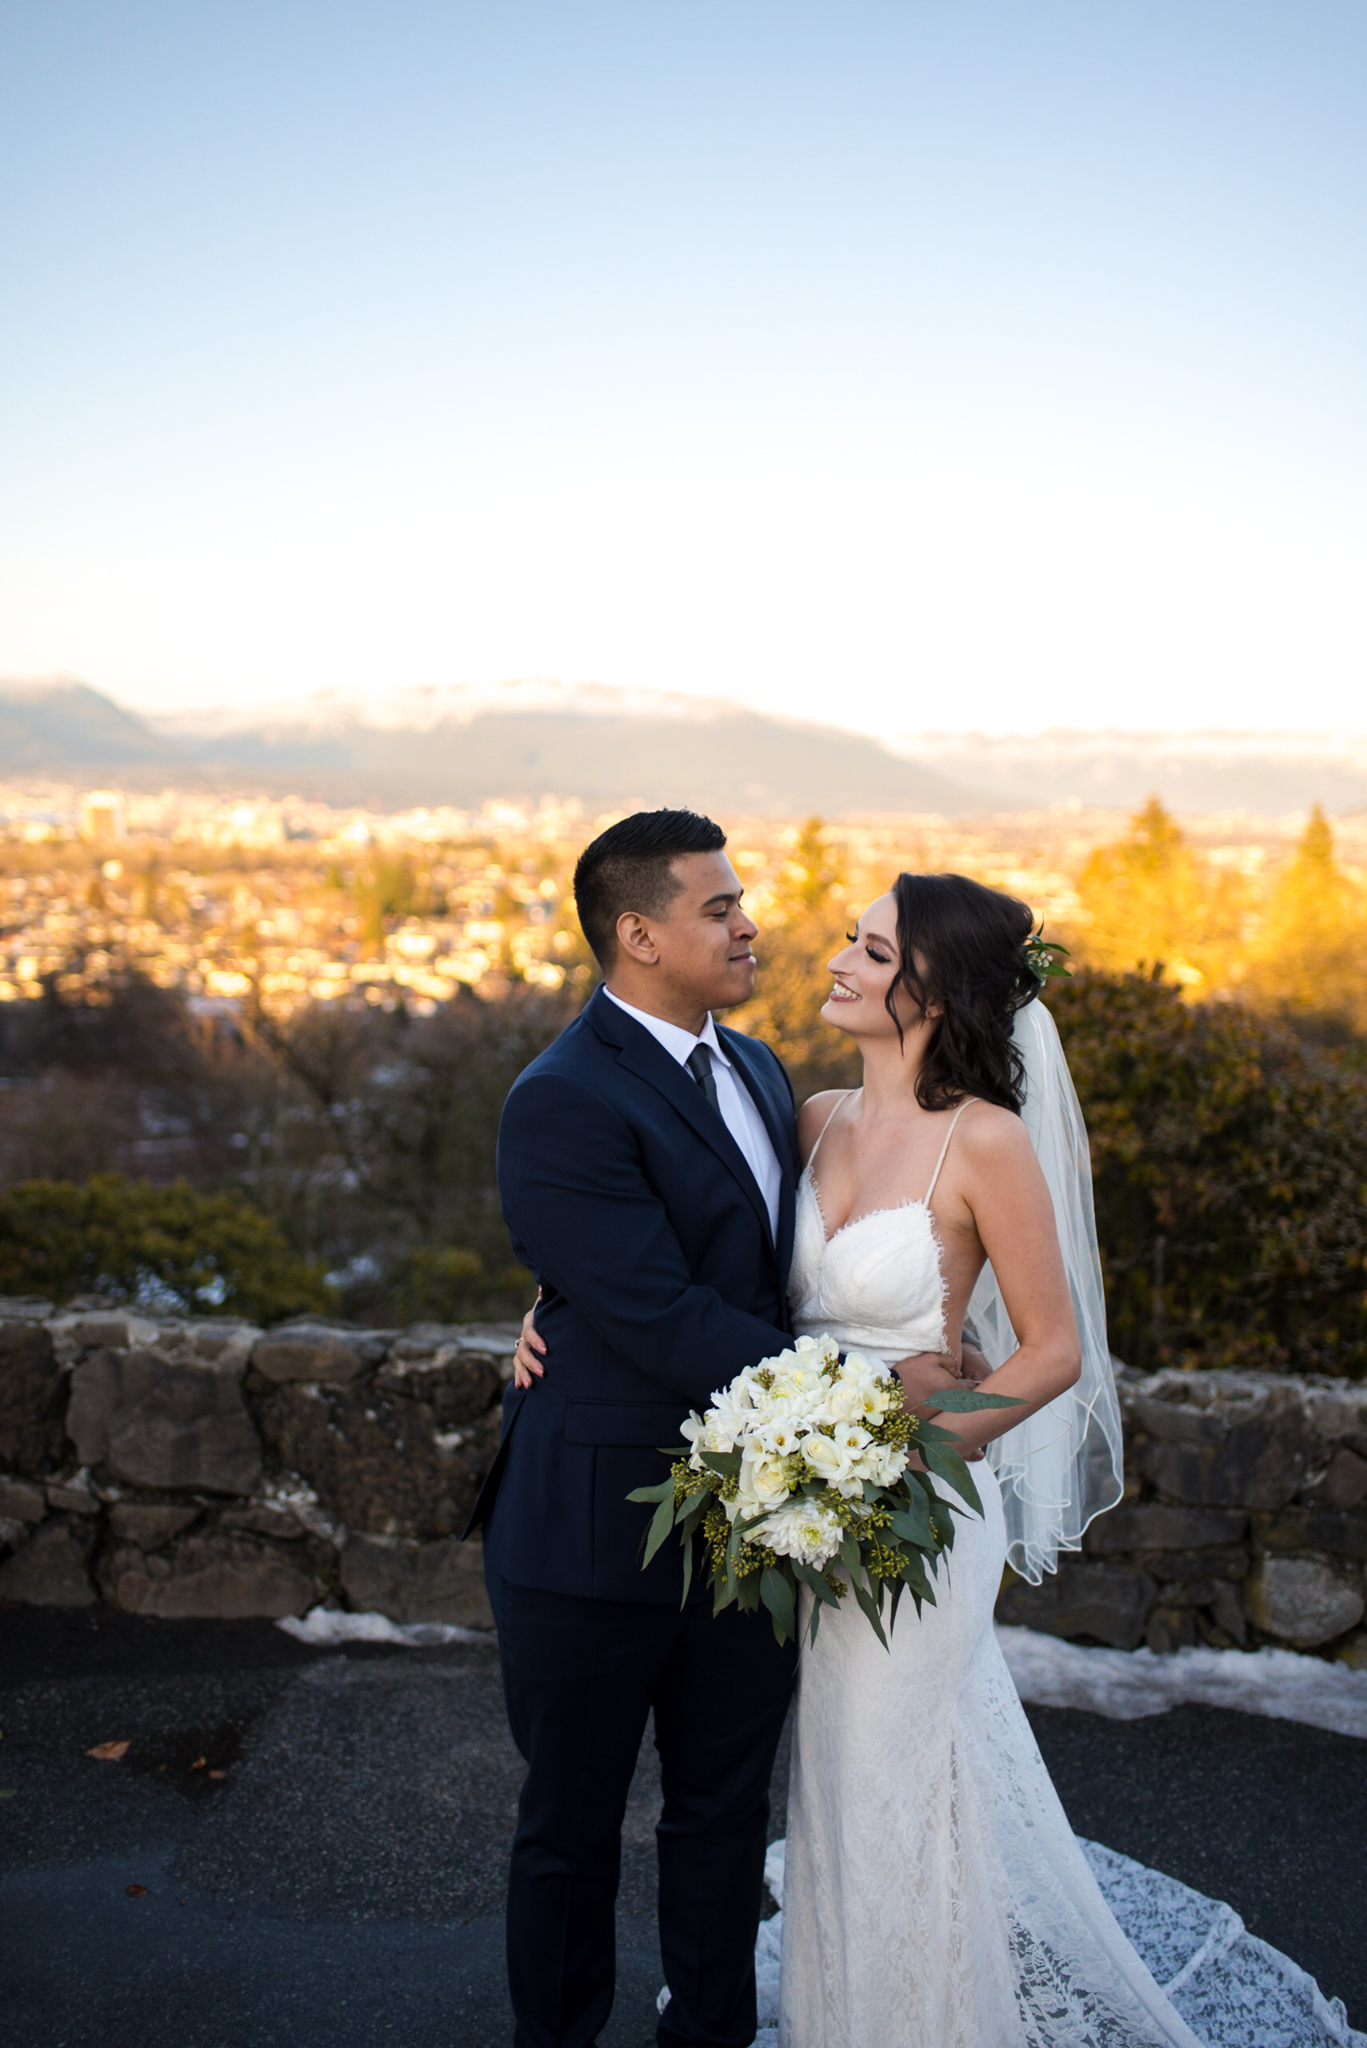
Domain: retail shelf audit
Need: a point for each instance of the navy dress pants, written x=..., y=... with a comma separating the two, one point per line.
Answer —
x=580, y=1678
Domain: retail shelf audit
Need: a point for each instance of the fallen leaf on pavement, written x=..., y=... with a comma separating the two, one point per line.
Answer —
x=136, y=1891
x=108, y=1752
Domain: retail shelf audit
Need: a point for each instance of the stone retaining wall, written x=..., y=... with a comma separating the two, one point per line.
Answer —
x=207, y=1467
x=1244, y=1521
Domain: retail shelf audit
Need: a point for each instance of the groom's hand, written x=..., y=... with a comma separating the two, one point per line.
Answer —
x=974, y=1367
x=531, y=1349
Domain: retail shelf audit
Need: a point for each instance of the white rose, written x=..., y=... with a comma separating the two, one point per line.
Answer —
x=825, y=1457
x=845, y=1401
x=762, y=1480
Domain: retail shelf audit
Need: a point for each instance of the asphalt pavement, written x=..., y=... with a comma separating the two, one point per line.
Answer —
x=317, y=1838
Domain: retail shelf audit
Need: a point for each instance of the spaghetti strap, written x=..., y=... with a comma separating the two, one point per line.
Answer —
x=945, y=1147
x=845, y=1096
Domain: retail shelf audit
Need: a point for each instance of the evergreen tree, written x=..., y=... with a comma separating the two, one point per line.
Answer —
x=1150, y=902
x=1310, y=957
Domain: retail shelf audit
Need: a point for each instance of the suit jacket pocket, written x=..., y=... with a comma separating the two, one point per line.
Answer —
x=625, y=1425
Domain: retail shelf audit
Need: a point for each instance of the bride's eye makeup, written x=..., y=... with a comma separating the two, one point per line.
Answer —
x=882, y=959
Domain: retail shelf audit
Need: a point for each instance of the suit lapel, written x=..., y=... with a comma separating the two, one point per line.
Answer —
x=782, y=1135
x=641, y=1055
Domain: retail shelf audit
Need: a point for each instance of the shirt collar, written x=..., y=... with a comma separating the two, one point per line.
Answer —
x=677, y=1042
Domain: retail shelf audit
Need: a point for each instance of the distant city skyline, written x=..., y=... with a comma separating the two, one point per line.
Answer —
x=990, y=370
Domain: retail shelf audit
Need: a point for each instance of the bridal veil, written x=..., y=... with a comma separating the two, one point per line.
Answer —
x=1063, y=1466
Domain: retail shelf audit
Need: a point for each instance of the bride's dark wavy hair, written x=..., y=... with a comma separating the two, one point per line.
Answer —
x=972, y=943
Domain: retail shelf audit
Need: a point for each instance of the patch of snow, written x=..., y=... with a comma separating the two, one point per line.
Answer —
x=331, y=1625
x=1127, y=1685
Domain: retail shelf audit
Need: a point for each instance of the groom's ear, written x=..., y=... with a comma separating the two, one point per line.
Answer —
x=635, y=938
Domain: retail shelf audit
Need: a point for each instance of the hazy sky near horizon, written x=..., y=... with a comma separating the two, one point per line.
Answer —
x=984, y=366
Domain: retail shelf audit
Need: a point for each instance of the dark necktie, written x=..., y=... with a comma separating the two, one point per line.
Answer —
x=700, y=1067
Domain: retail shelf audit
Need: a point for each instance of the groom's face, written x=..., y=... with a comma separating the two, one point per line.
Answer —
x=700, y=949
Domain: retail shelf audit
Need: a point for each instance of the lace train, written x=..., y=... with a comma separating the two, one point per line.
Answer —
x=1233, y=1990
x=936, y=1895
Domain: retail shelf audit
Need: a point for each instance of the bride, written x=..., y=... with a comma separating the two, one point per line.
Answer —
x=935, y=1895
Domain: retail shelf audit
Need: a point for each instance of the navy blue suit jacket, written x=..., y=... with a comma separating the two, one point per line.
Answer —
x=631, y=1202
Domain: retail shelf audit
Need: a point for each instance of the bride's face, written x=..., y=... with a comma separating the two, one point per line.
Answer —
x=864, y=972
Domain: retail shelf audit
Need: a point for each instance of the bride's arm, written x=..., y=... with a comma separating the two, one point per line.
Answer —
x=1014, y=1218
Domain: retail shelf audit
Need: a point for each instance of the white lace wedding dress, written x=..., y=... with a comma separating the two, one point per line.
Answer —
x=935, y=1895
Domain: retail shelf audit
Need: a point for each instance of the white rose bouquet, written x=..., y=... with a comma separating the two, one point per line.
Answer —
x=800, y=1466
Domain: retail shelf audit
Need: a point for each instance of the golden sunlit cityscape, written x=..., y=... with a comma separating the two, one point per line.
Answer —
x=284, y=902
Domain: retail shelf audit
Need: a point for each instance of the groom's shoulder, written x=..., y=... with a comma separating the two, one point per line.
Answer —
x=573, y=1054
x=580, y=1058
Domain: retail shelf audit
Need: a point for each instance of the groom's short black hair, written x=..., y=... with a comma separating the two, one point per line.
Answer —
x=628, y=867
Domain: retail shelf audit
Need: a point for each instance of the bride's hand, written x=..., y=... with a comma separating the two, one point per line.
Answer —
x=531, y=1349
x=927, y=1374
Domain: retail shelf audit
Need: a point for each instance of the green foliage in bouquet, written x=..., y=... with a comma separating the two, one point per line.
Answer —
x=833, y=1503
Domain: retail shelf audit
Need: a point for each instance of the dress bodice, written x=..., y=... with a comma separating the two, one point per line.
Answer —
x=874, y=1286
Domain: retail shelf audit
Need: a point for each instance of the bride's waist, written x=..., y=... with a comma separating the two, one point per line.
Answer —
x=874, y=1339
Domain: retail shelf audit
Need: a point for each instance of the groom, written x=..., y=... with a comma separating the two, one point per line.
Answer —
x=647, y=1169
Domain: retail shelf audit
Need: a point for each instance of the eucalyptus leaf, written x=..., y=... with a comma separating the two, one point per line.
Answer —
x=950, y=1467
x=866, y=1602
x=912, y=1523
x=967, y=1400
x=915, y=1577
x=661, y=1522
x=777, y=1594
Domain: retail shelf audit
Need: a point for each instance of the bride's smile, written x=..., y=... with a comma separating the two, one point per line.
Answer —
x=867, y=978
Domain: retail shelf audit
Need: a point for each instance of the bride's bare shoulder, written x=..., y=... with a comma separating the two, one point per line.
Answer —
x=992, y=1136
x=814, y=1114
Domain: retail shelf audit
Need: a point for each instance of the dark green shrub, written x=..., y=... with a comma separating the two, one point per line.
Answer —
x=451, y=1284
x=1230, y=1165
x=167, y=1248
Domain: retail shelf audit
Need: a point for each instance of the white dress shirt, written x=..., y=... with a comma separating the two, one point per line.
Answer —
x=734, y=1100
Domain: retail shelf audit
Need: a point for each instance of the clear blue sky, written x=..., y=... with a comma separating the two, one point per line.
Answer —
x=994, y=365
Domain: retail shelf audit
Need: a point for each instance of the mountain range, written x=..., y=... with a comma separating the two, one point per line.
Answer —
x=611, y=747
x=602, y=747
